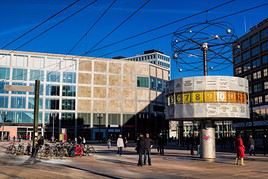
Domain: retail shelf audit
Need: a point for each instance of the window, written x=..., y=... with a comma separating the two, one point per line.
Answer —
x=265, y=85
x=254, y=75
x=255, y=51
x=143, y=82
x=53, y=76
x=245, y=44
x=256, y=100
x=254, y=39
x=264, y=46
x=68, y=104
x=52, y=90
x=2, y=87
x=245, y=55
x=260, y=99
x=4, y=73
x=85, y=117
x=264, y=33
x=257, y=87
x=69, y=77
x=265, y=72
x=52, y=103
x=237, y=59
x=68, y=116
x=99, y=120
x=153, y=83
x=68, y=90
x=31, y=103
x=19, y=74
x=266, y=98
x=36, y=75
x=256, y=63
x=3, y=102
x=247, y=67
x=259, y=74
x=265, y=59
x=114, y=119
x=238, y=70
x=159, y=85
x=18, y=102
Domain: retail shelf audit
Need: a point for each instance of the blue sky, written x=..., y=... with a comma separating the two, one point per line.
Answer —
x=17, y=16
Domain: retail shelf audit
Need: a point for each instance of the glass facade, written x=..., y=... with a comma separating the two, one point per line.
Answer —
x=68, y=104
x=99, y=121
x=68, y=90
x=52, y=104
x=2, y=87
x=69, y=77
x=31, y=103
x=19, y=74
x=36, y=75
x=4, y=73
x=3, y=101
x=53, y=76
x=18, y=102
x=52, y=90
x=18, y=84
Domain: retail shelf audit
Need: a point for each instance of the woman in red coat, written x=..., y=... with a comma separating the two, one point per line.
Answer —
x=240, y=150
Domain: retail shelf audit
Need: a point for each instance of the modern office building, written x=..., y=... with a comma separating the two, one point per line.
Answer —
x=250, y=57
x=90, y=97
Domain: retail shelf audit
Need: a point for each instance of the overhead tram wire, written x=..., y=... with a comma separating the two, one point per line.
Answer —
x=170, y=23
x=161, y=26
x=38, y=25
x=92, y=26
x=166, y=35
x=117, y=27
x=58, y=23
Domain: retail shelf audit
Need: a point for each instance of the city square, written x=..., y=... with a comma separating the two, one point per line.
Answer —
x=133, y=89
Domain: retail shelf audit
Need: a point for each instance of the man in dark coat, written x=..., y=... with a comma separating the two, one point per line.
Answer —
x=140, y=149
x=148, y=144
x=265, y=144
x=161, y=144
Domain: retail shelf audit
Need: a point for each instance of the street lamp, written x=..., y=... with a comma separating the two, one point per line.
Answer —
x=99, y=116
x=53, y=118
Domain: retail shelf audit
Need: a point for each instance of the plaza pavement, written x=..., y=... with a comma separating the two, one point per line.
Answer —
x=106, y=164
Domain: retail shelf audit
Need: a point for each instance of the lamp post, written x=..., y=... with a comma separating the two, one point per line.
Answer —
x=99, y=116
x=53, y=127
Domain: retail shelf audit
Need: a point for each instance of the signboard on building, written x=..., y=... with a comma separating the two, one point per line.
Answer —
x=207, y=97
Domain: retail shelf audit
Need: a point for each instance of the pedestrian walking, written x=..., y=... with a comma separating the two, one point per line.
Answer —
x=240, y=150
x=120, y=145
x=161, y=144
x=148, y=144
x=109, y=143
x=251, y=143
x=265, y=144
x=125, y=142
x=140, y=149
x=84, y=141
x=79, y=140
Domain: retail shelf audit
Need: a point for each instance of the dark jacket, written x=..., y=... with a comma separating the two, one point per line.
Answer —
x=140, y=145
x=147, y=143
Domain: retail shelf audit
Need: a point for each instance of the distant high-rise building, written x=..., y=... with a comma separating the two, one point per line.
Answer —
x=250, y=57
x=152, y=56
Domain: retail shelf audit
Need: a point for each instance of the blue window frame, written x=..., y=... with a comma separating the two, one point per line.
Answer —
x=3, y=101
